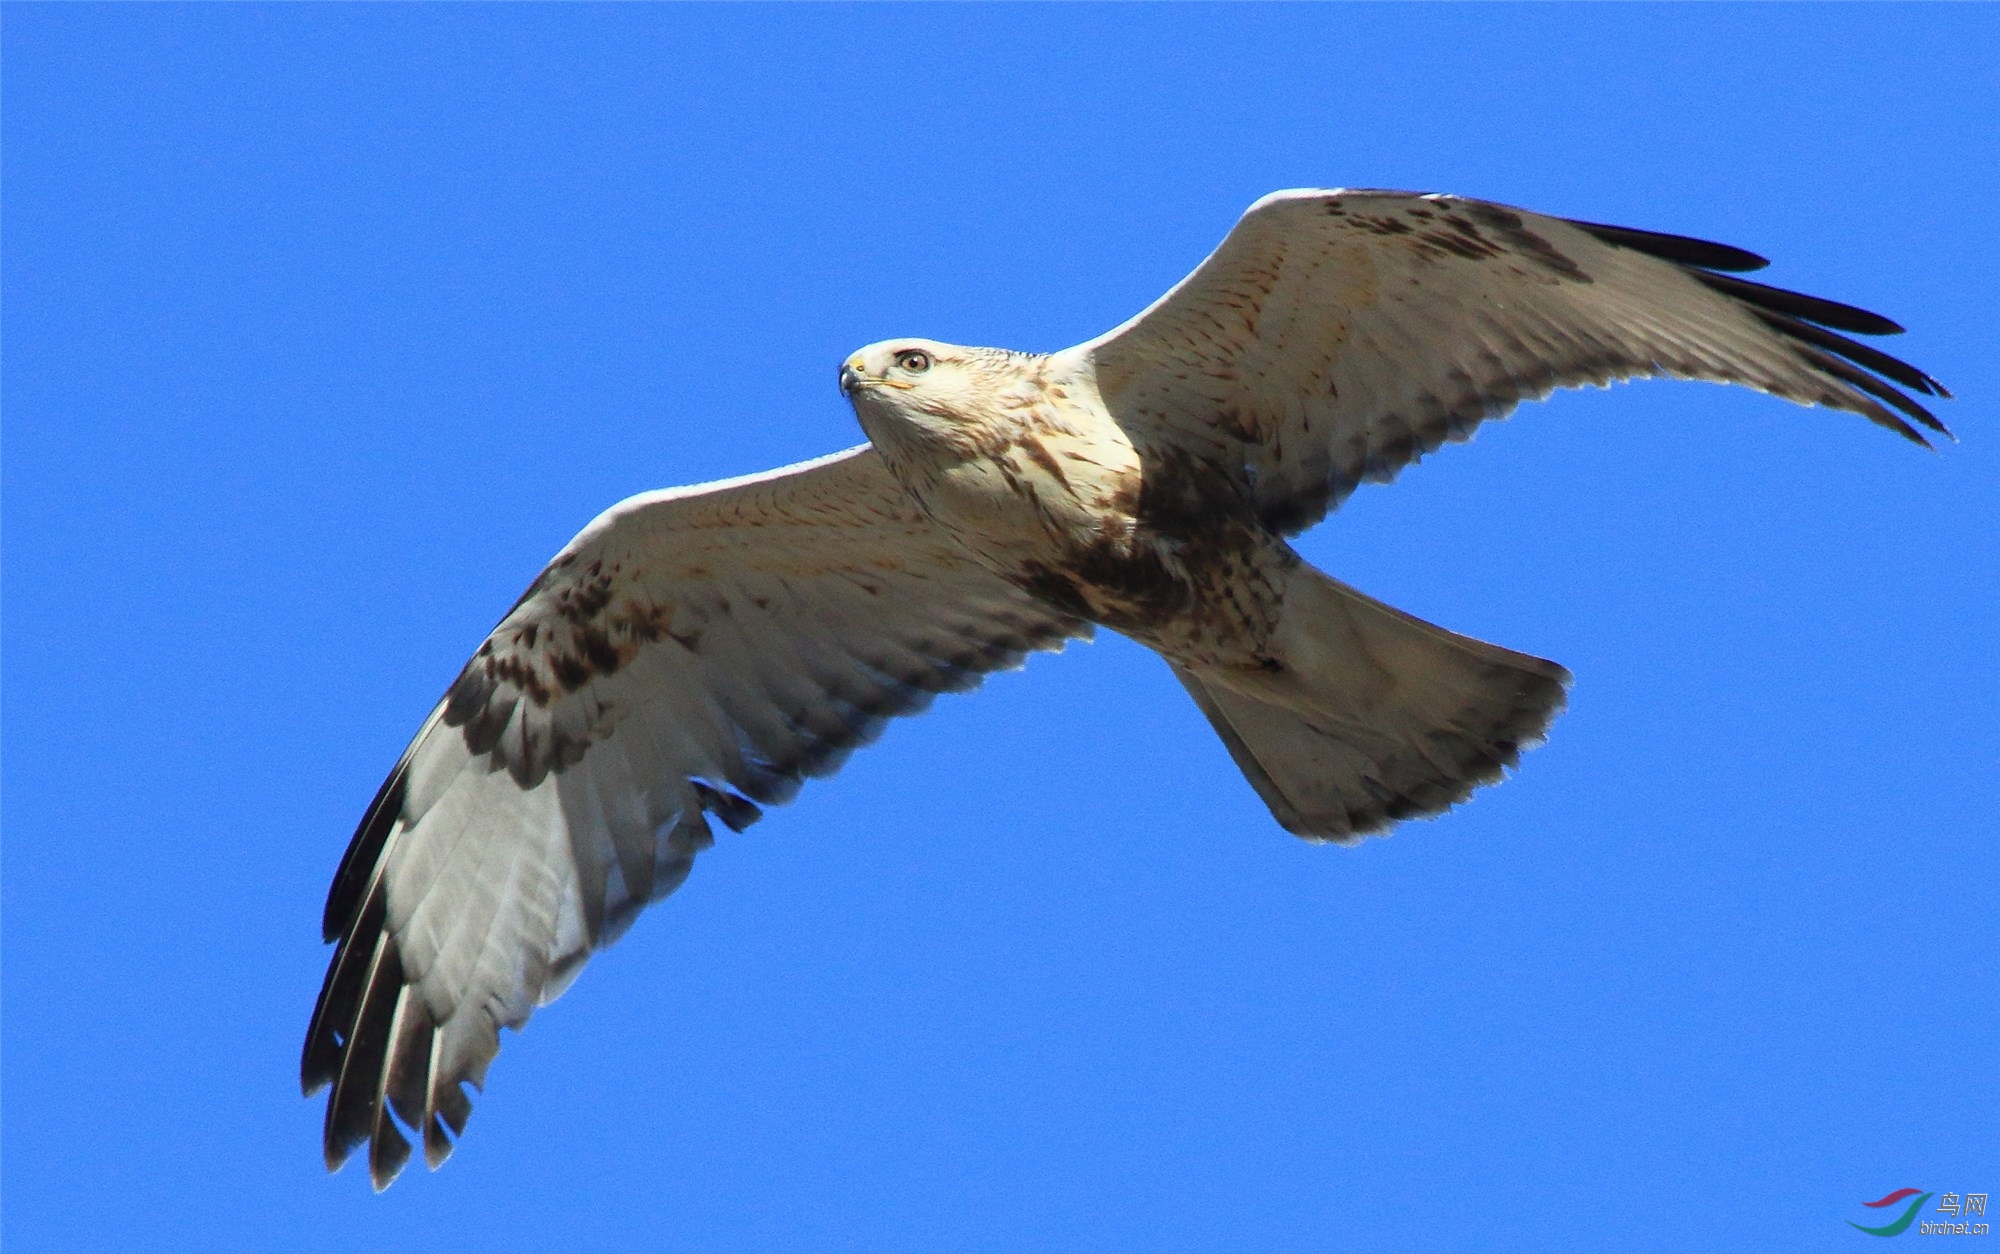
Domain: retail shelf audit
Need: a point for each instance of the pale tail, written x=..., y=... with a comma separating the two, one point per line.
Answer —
x=1373, y=715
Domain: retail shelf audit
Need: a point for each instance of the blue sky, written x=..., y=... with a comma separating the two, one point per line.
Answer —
x=326, y=325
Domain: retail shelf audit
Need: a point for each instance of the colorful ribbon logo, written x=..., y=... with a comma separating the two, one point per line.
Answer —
x=1896, y=1228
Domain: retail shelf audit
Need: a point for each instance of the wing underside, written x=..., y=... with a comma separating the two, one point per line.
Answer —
x=1336, y=337
x=693, y=653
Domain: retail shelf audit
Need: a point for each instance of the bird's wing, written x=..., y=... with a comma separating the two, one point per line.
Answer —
x=1338, y=336
x=693, y=652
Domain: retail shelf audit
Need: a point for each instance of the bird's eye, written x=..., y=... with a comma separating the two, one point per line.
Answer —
x=914, y=360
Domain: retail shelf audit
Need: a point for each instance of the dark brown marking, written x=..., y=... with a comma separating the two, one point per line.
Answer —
x=582, y=601
x=596, y=646
x=516, y=671
x=1053, y=587
x=1177, y=539
x=647, y=622
x=1385, y=225
x=1039, y=454
x=569, y=671
x=1187, y=497
x=1510, y=227
x=1466, y=243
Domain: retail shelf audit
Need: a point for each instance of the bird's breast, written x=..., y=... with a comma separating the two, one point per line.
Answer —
x=1162, y=547
x=1030, y=490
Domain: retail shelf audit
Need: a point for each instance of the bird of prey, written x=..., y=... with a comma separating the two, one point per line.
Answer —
x=702, y=651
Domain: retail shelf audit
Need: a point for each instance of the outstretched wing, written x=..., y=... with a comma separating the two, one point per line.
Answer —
x=693, y=652
x=1338, y=336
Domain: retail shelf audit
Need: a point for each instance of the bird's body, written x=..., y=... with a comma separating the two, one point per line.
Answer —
x=1342, y=713
x=702, y=651
x=1028, y=471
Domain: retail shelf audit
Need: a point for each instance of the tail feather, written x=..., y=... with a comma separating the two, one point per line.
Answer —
x=1372, y=715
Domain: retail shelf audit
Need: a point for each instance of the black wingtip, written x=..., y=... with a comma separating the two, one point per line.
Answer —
x=1826, y=313
x=1905, y=430
x=357, y=865
x=1681, y=249
x=1894, y=369
x=1804, y=319
x=1862, y=380
x=388, y=1152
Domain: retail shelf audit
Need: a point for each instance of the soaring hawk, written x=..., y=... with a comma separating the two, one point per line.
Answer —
x=702, y=651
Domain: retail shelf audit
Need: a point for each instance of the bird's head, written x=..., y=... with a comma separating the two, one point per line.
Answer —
x=912, y=370
x=921, y=388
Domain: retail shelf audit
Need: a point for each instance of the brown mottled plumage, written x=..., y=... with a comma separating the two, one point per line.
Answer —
x=703, y=651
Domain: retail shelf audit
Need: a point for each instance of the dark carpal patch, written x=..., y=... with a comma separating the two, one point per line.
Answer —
x=586, y=598
x=1384, y=224
x=1470, y=231
x=1457, y=237
x=1510, y=227
x=570, y=670
x=519, y=671
x=545, y=661
x=525, y=668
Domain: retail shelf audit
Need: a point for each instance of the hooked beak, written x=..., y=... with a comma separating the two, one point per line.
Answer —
x=852, y=378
